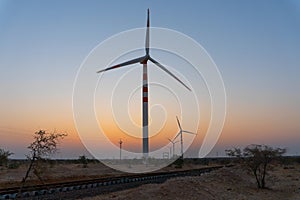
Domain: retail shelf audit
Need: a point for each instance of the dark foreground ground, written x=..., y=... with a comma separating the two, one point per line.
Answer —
x=227, y=183
x=283, y=182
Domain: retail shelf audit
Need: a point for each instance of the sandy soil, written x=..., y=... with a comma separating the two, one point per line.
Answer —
x=57, y=173
x=67, y=172
x=227, y=183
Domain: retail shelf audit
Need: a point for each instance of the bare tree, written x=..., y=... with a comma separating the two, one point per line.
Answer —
x=4, y=157
x=43, y=146
x=257, y=158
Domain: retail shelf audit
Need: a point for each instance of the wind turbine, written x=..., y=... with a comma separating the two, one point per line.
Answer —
x=143, y=60
x=173, y=144
x=180, y=133
x=120, y=143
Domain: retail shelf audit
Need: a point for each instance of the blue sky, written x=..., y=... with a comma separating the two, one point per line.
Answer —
x=255, y=44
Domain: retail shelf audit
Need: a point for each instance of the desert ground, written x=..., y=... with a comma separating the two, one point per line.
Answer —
x=62, y=172
x=227, y=183
x=283, y=182
x=56, y=173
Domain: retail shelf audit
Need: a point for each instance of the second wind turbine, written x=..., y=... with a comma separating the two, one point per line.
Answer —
x=143, y=60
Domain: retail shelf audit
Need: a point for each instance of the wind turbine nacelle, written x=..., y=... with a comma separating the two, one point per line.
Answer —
x=144, y=61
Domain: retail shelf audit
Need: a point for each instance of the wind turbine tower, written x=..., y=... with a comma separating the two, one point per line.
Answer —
x=144, y=60
x=180, y=133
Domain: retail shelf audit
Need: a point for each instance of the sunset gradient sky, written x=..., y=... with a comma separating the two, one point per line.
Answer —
x=255, y=44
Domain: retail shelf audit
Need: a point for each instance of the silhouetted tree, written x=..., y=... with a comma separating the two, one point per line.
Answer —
x=43, y=146
x=4, y=157
x=83, y=160
x=257, y=158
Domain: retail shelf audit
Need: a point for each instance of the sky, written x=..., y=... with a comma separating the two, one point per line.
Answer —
x=255, y=44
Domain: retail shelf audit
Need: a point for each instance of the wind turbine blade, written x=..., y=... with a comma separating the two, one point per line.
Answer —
x=130, y=62
x=165, y=69
x=178, y=123
x=170, y=140
x=147, y=34
x=177, y=135
x=189, y=132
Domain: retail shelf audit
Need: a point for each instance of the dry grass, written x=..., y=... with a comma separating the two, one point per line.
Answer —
x=57, y=173
x=66, y=172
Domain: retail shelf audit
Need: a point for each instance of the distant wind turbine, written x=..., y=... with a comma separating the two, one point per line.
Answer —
x=143, y=60
x=120, y=143
x=173, y=144
x=180, y=133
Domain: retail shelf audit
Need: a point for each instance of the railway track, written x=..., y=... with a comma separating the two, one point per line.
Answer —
x=50, y=189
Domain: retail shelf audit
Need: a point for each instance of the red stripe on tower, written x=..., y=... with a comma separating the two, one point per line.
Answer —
x=145, y=99
x=145, y=89
x=144, y=76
